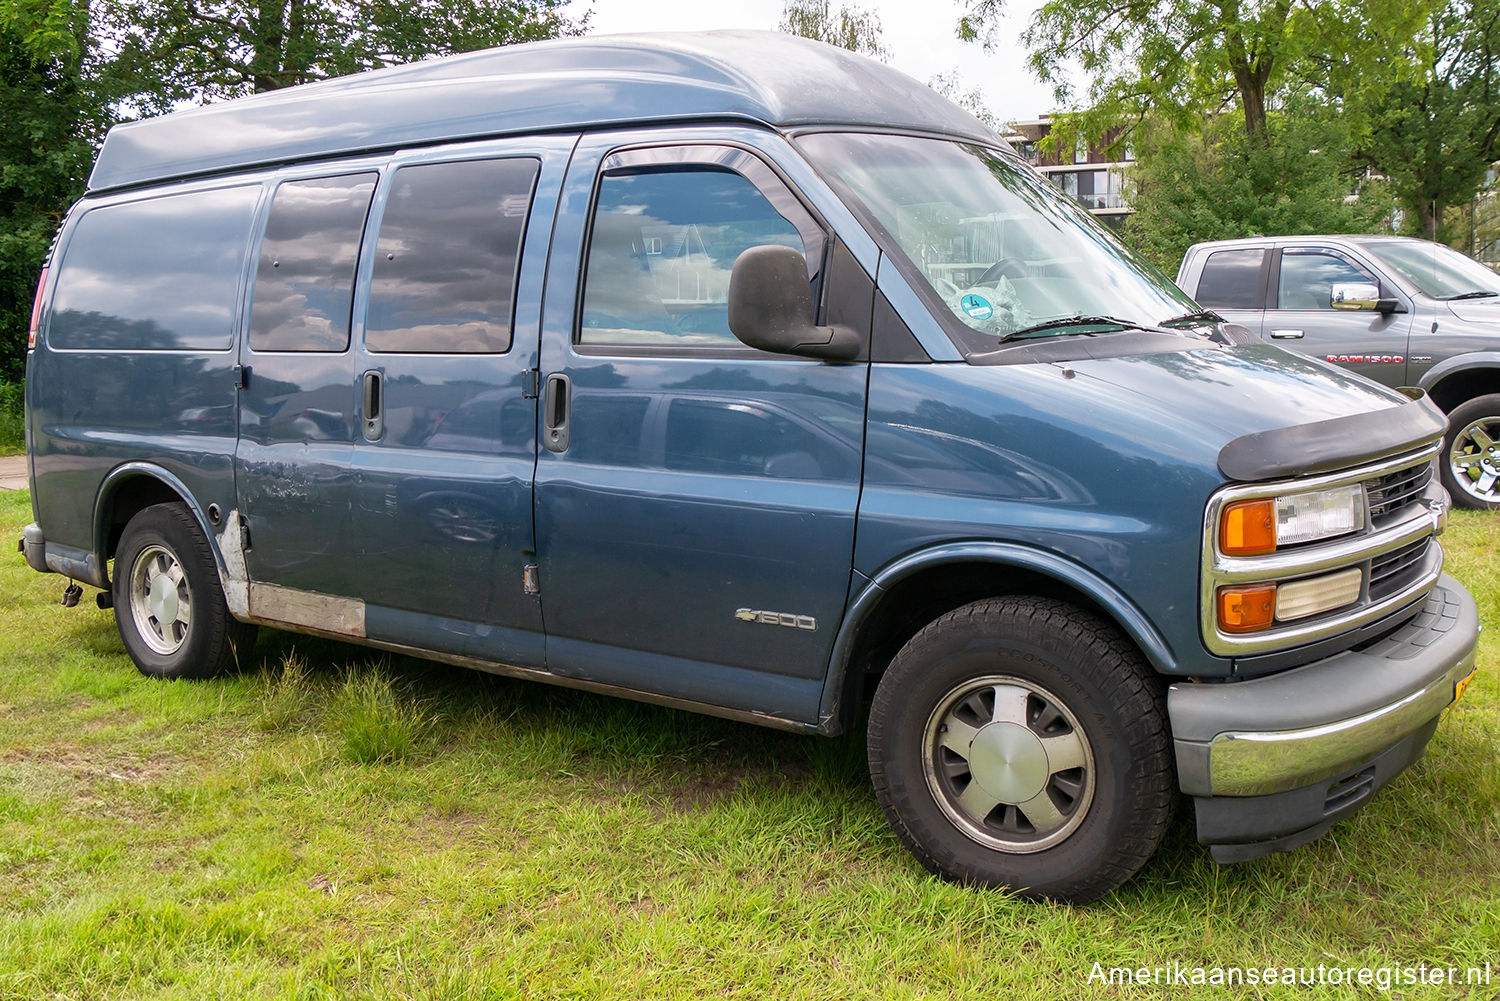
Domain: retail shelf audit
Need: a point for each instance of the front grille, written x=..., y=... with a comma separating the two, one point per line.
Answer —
x=1393, y=491
x=1396, y=569
x=1394, y=549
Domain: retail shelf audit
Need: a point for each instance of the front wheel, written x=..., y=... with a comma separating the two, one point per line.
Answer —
x=1022, y=743
x=1471, y=454
x=169, y=604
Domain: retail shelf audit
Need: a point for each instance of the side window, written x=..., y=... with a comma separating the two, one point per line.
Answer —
x=1308, y=277
x=743, y=439
x=1231, y=280
x=663, y=244
x=447, y=256
x=157, y=274
x=304, y=285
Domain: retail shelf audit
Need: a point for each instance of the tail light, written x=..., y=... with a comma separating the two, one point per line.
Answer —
x=36, y=311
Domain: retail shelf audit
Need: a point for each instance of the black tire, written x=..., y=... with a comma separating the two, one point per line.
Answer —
x=169, y=604
x=1083, y=691
x=1466, y=462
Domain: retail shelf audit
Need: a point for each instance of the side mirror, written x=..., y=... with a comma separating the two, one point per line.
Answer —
x=770, y=307
x=1358, y=296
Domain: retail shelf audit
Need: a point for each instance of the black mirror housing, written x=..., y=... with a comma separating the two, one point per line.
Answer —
x=771, y=309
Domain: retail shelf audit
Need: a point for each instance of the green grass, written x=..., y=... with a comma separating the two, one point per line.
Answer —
x=329, y=824
x=12, y=418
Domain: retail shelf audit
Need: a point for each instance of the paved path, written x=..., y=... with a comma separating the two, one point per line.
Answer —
x=12, y=472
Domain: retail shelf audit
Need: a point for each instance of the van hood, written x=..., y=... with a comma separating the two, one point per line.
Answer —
x=1261, y=411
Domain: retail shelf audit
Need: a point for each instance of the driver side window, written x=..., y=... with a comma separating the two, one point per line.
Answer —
x=1308, y=277
x=663, y=245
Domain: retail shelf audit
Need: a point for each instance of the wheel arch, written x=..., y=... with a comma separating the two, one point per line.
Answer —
x=131, y=488
x=1456, y=380
x=888, y=609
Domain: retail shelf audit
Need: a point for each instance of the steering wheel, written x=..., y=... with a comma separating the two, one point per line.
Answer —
x=1007, y=267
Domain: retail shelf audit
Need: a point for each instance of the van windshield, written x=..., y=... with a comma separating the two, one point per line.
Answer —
x=1003, y=251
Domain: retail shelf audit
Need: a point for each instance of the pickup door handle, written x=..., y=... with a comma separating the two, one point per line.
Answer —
x=556, y=409
x=1286, y=335
x=374, y=424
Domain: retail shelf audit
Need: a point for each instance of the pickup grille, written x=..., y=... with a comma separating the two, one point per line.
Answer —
x=1390, y=493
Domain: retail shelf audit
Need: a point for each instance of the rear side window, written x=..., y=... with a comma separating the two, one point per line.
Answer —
x=304, y=284
x=663, y=245
x=447, y=257
x=155, y=275
x=1231, y=280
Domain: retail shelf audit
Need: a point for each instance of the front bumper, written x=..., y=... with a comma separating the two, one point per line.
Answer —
x=1272, y=762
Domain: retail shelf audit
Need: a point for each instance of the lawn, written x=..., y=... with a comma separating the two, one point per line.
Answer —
x=331, y=824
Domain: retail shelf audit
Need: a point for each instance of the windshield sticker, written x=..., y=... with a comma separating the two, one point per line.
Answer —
x=977, y=306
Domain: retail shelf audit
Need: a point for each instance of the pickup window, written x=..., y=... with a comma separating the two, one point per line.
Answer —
x=1231, y=280
x=1308, y=277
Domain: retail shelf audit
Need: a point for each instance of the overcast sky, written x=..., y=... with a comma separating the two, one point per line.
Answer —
x=918, y=33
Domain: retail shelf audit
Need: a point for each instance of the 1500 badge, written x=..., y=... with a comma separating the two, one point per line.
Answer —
x=776, y=618
x=1369, y=359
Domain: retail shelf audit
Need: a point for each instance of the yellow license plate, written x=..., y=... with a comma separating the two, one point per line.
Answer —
x=1462, y=684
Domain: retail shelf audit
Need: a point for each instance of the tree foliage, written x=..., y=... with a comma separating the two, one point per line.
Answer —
x=1433, y=134
x=1219, y=184
x=55, y=91
x=849, y=28
x=70, y=68
x=228, y=48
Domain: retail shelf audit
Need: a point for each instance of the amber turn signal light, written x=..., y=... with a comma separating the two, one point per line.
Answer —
x=1248, y=528
x=1247, y=610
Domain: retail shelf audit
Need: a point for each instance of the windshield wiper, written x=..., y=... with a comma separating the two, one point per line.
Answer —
x=1076, y=321
x=1476, y=294
x=1196, y=318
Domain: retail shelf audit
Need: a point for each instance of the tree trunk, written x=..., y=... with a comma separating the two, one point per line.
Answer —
x=1251, y=84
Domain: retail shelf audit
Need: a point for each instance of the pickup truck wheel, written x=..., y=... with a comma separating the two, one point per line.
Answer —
x=169, y=604
x=1021, y=743
x=1471, y=453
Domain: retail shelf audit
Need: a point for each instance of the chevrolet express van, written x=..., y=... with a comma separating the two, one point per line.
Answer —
x=745, y=375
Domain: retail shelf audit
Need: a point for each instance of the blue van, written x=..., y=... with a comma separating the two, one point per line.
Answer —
x=745, y=375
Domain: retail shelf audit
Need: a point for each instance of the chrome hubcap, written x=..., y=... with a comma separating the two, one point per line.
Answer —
x=1008, y=763
x=1475, y=459
x=160, y=601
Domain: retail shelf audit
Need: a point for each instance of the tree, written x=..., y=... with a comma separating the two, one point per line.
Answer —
x=849, y=28
x=1434, y=134
x=972, y=100
x=229, y=48
x=1216, y=183
x=54, y=108
x=1188, y=59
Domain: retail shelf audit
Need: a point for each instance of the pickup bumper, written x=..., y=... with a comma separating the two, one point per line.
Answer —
x=1273, y=762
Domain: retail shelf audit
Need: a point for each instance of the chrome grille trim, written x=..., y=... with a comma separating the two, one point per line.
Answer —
x=1401, y=549
x=1392, y=491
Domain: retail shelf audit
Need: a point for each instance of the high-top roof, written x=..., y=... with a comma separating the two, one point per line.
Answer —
x=756, y=76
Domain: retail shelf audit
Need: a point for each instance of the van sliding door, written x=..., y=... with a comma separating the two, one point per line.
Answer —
x=297, y=398
x=444, y=381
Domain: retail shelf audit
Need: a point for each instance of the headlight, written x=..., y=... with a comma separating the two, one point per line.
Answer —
x=1256, y=527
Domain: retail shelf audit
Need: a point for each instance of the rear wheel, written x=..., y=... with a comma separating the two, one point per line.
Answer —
x=1471, y=453
x=1022, y=743
x=169, y=604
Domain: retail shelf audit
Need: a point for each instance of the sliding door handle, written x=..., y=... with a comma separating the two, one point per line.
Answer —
x=557, y=406
x=374, y=423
